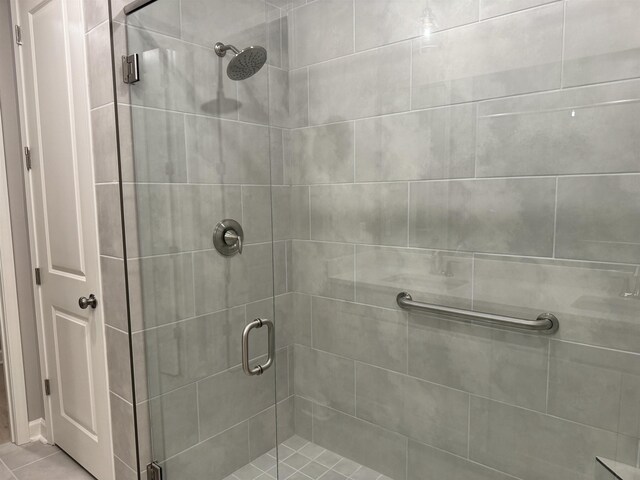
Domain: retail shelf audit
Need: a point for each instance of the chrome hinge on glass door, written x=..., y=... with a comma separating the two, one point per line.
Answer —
x=154, y=471
x=130, y=69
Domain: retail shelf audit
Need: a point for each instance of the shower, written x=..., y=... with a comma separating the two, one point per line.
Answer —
x=245, y=63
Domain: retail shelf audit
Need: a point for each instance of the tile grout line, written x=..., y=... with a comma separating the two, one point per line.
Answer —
x=36, y=461
x=469, y=426
x=563, y=43
x=555, y=220
x=7, y=467
x=546, y=405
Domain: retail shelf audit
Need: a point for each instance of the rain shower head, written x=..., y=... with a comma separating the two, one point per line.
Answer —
x=245, y=63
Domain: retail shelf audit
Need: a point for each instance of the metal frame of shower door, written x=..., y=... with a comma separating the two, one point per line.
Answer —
x=136, y=5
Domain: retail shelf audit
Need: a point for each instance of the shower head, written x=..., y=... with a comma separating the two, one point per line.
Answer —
x=245, y=63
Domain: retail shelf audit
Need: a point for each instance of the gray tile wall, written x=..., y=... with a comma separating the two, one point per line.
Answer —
x=479, y=154
x=106, y=176
x=197, y=148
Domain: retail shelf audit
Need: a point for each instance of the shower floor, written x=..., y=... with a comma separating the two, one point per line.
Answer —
x=304, y=460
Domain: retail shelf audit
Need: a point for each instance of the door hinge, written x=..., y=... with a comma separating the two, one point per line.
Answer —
x=27, y=157
x=47, y=387
x=18, y=35
x=38, y=277
x=130, y=69
x=154, y=471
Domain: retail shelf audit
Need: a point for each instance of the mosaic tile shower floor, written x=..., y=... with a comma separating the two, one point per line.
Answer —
x=304, y=460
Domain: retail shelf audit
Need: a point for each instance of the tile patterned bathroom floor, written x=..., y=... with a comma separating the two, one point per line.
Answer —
x=38, y=461
x=303, y=460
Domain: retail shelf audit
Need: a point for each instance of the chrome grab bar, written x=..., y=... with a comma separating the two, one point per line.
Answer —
x=258, y=369
x=546, y=323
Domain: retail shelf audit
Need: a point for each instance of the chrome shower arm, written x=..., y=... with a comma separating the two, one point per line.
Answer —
x=221, y=49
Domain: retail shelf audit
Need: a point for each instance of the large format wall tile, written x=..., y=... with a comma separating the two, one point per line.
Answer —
x=160, y=17
x=118, y=359
x=161, y=289
x=374, y=213
x=172, y=70
x=369, y=334
x=503, y=215
x=586, y=297
x=320, y=31
x=595, y=386
x=325, y=269
x=114, y=300
x=293, y=317
x=533, y=445
x=163, y=220
x=374, y=412
x=253, y=96
x=360, y=85
x=277, y=47
x=222, y=282
x=324, y=378
x=110, y=220
x=583, y=130
x=177, y=218
x=215, y=458
x=429, y=275
x=262, y=427
x=217, y=151
x=159, y=146
x=303, y=417
x=288, y=98
x=174, y=417
x=379, y=22
x=230, y=397
x=506, y=366
x=256, y=213
x=194, y=349
x=504, y=56
x=610, y=51
x=598, y=218
x=104, y=144
x=427, y=463
x=322, y=154
x=99, y=66
x=241, y=22
x=122, y=427
x=422, y=145
x=95, y=12
x=290, y=212
x=299, y=98
x=361, y=441
x=420, y=410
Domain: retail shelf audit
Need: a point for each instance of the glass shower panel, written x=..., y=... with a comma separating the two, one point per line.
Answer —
x=425, y=188
x=203, y=265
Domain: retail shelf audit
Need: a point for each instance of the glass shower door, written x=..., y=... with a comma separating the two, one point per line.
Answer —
x=202, y=259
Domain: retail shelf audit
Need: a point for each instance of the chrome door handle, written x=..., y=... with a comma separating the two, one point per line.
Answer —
x=258, y=369
x=85, y=302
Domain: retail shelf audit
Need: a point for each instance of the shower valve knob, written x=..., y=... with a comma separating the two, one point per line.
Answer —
x=231, y=238
x=228, y=237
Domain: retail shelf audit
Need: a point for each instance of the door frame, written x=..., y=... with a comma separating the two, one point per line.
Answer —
x=10, y=316
x=47, y=429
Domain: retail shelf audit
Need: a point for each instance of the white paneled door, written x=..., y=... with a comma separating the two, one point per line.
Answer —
x=65, y=231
